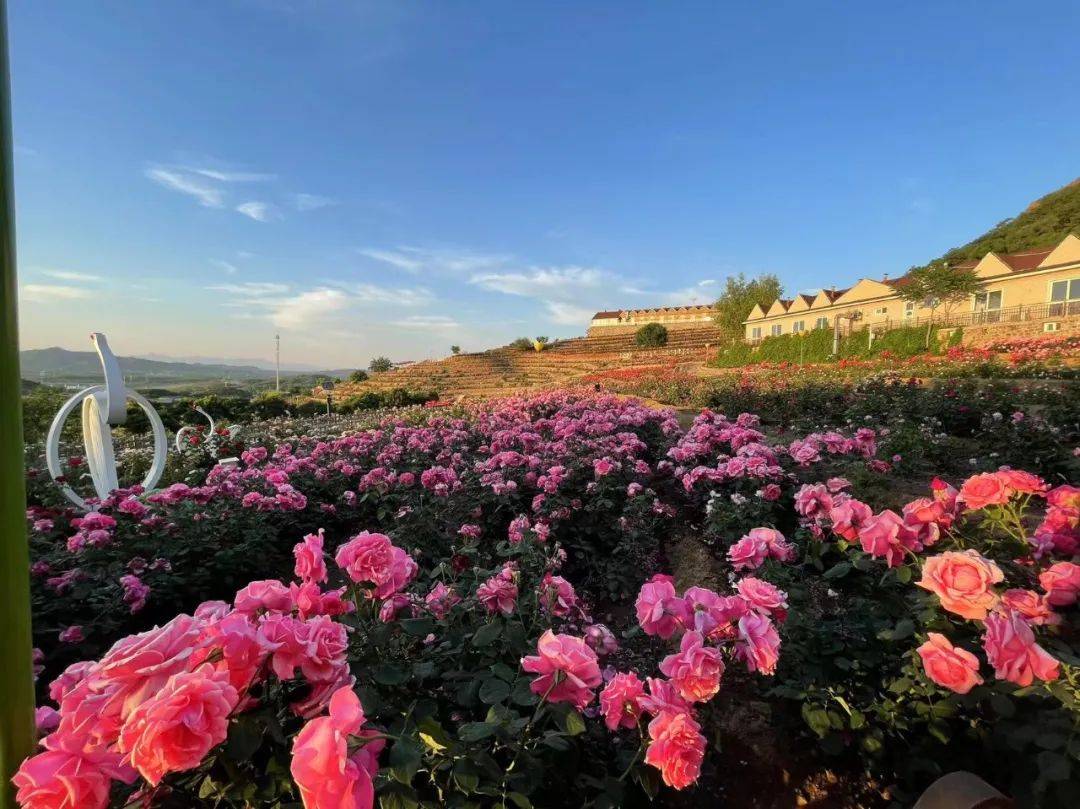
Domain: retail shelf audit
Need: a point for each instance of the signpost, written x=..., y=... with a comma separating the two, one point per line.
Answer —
x=17, y=734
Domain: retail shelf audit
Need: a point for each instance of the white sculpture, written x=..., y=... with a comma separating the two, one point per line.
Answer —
x=212, y=438
x=104, y=407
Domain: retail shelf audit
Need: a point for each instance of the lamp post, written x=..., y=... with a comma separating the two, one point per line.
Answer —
x=17, y=734
x=329, y=388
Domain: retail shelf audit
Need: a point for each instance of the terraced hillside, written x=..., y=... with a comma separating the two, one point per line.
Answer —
x=505, y=370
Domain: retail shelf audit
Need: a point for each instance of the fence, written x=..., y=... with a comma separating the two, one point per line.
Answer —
x=1013, y=314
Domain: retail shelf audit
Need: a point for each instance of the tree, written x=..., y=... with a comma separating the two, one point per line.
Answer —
x=380, y=364
x=651, y=335
x=358, y=375
x=455, y=350
x=739, y=297
x=522, y=344
x=937, y=285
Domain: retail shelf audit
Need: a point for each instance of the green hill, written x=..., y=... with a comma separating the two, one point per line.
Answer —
x=1042, y=224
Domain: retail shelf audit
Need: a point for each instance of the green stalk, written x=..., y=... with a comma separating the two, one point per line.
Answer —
x=17, y=734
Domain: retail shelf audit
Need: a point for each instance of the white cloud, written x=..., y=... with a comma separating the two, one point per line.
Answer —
x=311, y=202
x=259, y=211
x=427, y=322
x=702, y=292
x=252, y=289
x=207, y=194
x=225, y=266
x=546, y=282
x=307, y=307
x=567, y=314
x=68, y=275
x=371, y=293
x=448, y=261
x=234, y=176
x=50, y=293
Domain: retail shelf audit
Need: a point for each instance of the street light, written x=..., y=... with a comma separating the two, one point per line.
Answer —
x=328, y=388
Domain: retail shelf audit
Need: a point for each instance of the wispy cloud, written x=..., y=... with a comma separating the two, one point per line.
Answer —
x=234, y=176
x=311, y=202
x=449, y=261
x=252, y=289
x=259, y=211
x=50, y=293
x=546, y=282
x=208, y=194
x=69, y=275
x=225, y=266
x=427, y=322
x=402, y=296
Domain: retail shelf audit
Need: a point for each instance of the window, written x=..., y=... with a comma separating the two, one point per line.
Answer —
x=987, y=301
x=1065, y=297
x=909, y=309
x=821, y=323
x=882, y=311
x=1051, y=326
x=777, y=330
x=798, y=326
x=755, y=333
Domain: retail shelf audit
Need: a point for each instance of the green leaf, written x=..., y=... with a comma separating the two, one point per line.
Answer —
x=1002, y=705
x=817, y=718
x=556, y=741
x=494, y=690
x=389, y=674
x=487, y=634
x=420, y=627
x=1053, y=766
x=245, y=737
x=574, y=723
x=837, y=571
x=475, y=731
x=404, y=759
x=519, y=800
x=523, y=693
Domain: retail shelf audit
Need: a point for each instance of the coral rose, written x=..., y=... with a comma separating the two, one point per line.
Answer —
x=567, y=667
x=758, y=645
x=677, y=748
x=963, y=581
x=1034, y=607
x=695, y=670
x=329, y=777
x=69, y=775
x=980, y=491
x=176, y=727
x=366, y=558
x=620, y=701
x=1061, y=581
x=1011, y=649
x=659, y=609
x=310, y=562
x=886, y=536
x=949, y=666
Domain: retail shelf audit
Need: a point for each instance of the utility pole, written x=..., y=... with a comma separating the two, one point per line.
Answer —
x=17, y=733
x=277, y=363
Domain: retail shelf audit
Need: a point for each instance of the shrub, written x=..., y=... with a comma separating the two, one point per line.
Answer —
x=268, y=405
x=380, y=365
x=358, y=375
x=522, y=344
x=651, y=335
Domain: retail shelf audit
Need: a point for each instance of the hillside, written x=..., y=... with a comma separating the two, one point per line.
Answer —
x=1042, y=224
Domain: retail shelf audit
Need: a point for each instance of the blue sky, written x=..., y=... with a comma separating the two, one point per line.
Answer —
x=396, y=177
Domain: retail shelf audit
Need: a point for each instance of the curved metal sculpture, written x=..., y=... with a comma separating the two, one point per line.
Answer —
x=212, y=437
x=104, y=407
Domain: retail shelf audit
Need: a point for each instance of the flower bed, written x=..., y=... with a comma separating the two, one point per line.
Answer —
x=493, y=630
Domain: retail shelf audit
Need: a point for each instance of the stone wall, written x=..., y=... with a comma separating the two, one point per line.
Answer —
x=993, y=332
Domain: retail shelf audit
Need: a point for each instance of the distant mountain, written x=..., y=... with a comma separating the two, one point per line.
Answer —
x=57, y=364
x=266, y=365
x=1044, y=223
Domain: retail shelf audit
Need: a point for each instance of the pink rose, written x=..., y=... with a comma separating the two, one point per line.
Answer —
x=1064, y=496
x=242, y=649
x=175, y=728
x=328, y=775
x=1061, y=581
x=980, y=491
x=676, y=748
x=600, y=639
x=758, y=645
x=441, y=600
x=949, y=666
x=557, y=596
x=69, y=775
x=498, y=594
x=310, y=562
x=848, y=517
x=695, y=670
x=1034, y=607
x=711, y=614
x=366, y=558
x=567, y=669
x=620, y=701
x=663, y=697
x=1011, y=649
x=269, y=595
x=658, y=608
x=762, y=596
x=963, y=581
x=886, y=536
x=749, y=553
